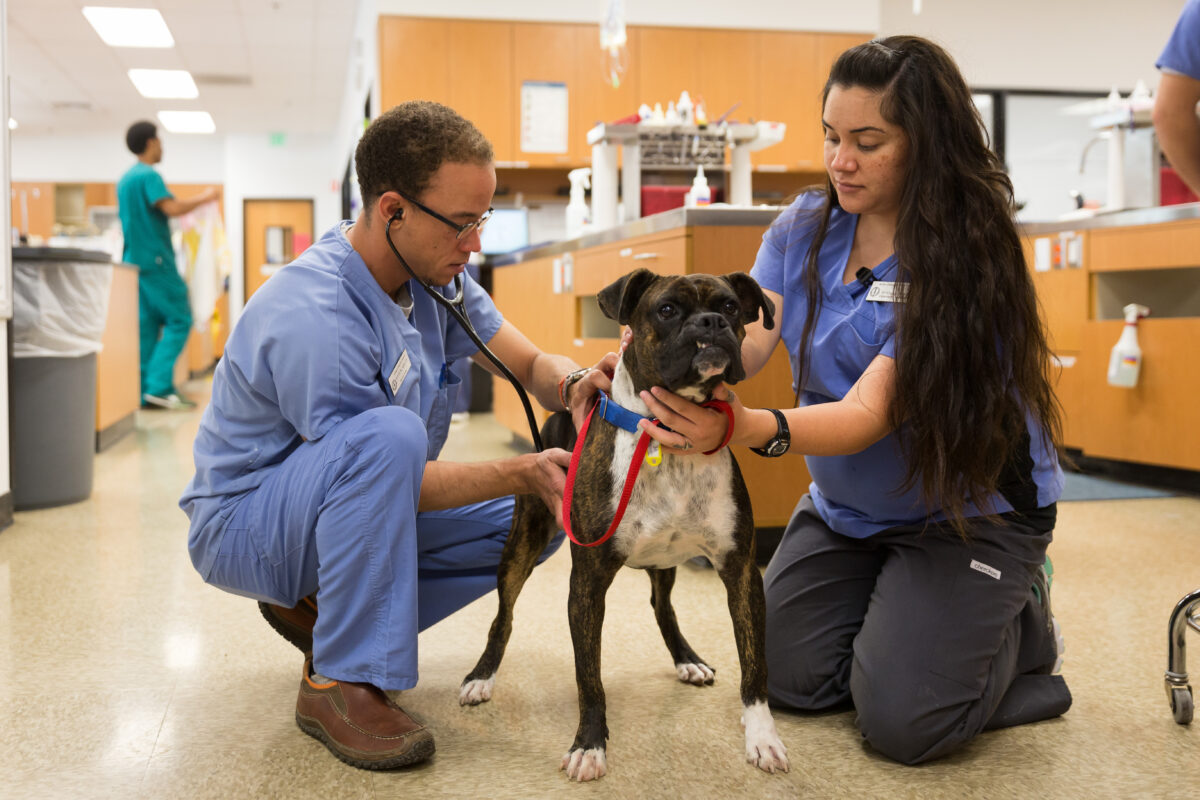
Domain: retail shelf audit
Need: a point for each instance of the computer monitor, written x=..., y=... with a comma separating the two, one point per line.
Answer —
x=506, y=231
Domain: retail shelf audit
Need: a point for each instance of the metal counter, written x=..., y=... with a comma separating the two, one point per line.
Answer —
x=1115, y=219
x=656, y=223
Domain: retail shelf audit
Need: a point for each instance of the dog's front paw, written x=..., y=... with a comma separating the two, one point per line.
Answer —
x=697, y=673
x=585, y=765
x=472, y=693
x=764, y=748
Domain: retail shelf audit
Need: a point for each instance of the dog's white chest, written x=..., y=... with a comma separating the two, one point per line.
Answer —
x=679, y=509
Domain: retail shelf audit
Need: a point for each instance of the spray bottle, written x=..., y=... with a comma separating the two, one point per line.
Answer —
x=699, y=194
x=1126, y=359
x=578, y=213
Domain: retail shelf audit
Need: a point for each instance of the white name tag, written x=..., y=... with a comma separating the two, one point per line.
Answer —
x=887, y=292
x=403, y=365
x=979, y=566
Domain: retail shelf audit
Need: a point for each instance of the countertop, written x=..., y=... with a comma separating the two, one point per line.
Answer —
x=59, y=254
x=1115, y=219
x=719, y=214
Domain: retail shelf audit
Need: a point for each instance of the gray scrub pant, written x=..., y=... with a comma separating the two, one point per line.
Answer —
x=934, y=639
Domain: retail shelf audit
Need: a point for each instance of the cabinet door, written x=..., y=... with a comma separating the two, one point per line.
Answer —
x=547, y=52
x=33, y=208
x=596, y=99
x=724, y=61
x=481, y=81
x=791, y=83
x=414, y=60
x=668, y=63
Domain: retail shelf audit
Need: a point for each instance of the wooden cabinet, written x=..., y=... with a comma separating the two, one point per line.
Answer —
x=117, y=364
x=465, y=64
x=33, y=208
x=478, y=68
x=559, y=323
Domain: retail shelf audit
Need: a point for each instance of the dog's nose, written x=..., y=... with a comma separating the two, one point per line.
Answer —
x=712, y=322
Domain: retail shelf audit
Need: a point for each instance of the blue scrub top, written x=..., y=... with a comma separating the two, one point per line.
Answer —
x=1182, y=53
x=317, y=344
x=861, y=494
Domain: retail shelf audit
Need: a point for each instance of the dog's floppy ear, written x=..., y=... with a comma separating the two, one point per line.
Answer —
x=751, y=297
x=620, y=298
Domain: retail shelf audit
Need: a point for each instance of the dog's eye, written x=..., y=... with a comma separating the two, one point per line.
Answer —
x=667, y=311
x=731, y=308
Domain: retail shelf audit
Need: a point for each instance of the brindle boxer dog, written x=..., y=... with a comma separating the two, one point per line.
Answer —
x=687, y=334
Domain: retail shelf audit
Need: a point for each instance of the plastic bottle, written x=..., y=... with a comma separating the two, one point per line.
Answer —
x=684, y=107
x=578, y=213
x=1126, y=359
x=699, y=194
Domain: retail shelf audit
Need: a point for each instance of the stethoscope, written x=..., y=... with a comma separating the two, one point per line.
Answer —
x=458, y=309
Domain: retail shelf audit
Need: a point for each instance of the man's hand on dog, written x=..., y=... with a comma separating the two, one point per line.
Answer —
x=582, y=394
x=548, y=477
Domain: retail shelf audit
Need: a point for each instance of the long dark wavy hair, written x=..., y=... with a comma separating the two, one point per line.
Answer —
x=972, y=358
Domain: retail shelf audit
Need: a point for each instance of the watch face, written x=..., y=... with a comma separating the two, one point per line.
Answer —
x=777, y=447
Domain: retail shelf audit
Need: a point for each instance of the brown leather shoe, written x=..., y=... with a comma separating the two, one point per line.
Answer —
x=359, y=724
x=294, y=624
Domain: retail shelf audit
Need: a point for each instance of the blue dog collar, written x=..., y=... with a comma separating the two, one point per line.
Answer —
x=618, y=415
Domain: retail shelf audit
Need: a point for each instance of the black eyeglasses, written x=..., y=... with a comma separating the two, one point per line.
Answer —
x=459, y=230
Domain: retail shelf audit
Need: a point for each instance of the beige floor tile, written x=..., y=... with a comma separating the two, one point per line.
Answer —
x=126, y=676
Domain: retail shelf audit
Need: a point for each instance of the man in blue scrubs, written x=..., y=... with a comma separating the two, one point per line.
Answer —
x=317, y=481
x=164, y=316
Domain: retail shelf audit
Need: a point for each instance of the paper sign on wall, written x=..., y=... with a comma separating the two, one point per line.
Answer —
x=543, y=117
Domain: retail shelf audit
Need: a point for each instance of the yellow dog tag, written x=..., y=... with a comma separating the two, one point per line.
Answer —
x=654, y=454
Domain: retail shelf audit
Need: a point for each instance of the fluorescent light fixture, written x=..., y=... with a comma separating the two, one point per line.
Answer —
x=129, y=27
x=176, y=83
x=187, y=121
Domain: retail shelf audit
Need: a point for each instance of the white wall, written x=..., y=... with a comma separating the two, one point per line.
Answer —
x=103, y=157
x=5, y=259
x=805, y=15
x=1035, y=44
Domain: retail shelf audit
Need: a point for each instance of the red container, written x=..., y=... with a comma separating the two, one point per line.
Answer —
x=1171, y=189
x=656, y=199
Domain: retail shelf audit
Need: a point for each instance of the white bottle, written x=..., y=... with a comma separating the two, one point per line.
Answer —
x=699, y=194
x=578, y=212
x=1126, y=359
x=684, y=107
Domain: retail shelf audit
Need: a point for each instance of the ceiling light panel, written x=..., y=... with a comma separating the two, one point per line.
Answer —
x=173, y=83
x=130, y=27
x=187, y=121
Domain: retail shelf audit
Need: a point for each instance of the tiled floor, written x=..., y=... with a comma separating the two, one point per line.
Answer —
x=126, y=677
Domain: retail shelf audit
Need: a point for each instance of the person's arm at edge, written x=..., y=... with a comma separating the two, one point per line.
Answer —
x=1178, y=126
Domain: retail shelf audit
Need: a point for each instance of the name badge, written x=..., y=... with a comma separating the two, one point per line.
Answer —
x=403, y=365
x=887, y=292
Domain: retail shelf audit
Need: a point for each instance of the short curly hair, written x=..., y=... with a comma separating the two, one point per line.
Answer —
x=409, y=142
x=139, y=135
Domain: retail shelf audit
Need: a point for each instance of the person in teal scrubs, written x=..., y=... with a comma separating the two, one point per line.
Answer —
x=144, y=203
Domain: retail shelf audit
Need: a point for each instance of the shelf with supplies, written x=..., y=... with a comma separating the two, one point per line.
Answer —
x=1097, y=267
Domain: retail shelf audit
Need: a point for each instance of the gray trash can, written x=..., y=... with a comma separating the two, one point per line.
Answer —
x=60, y=303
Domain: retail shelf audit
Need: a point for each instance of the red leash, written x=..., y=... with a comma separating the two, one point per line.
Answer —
x=639, y=454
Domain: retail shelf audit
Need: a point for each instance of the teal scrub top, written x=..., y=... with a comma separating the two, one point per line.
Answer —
x=144, y=226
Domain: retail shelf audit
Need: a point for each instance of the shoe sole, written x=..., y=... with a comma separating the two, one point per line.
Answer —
x=421, y=751
x=302, y=641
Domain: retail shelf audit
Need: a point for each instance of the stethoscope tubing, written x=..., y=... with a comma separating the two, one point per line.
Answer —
x=457, y=308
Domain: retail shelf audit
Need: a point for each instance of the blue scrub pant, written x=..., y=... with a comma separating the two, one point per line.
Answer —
x=337, y=517
x=164, y=323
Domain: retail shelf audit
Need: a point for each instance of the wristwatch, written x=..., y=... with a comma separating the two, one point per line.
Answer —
x=780, y=442
x=569, y=380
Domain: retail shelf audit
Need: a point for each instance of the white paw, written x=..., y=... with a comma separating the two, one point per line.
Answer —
x=697, y=674
x=764, y=748
x=585, y=765
x=472, y=693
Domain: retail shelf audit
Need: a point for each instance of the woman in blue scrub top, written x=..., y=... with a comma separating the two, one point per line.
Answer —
x=317, y=482
x=912, y=579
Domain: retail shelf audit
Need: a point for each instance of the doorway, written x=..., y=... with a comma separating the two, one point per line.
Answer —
x=273, y=233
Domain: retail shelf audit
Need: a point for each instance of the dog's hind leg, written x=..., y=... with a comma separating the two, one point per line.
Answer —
x=688, y=666
x=532, y=529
